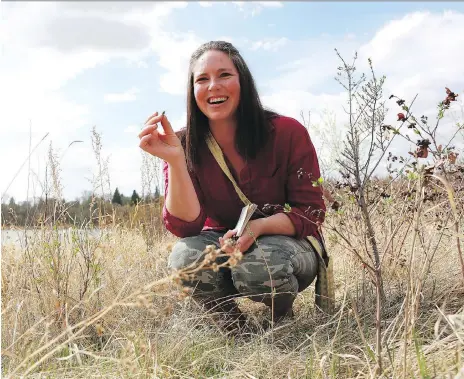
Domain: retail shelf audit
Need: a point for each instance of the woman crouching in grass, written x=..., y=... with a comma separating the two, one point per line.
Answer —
x=266, y=154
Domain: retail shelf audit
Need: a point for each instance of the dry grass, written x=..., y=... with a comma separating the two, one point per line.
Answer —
x=161, y=333
x=89, y=306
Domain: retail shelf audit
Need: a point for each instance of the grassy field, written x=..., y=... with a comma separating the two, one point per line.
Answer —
x=108, y=308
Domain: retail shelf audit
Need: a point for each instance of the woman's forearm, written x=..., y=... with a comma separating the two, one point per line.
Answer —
x=276, y=224
x=182, y=200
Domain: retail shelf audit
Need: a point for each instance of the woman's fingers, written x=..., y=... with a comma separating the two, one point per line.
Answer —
x=163, y=144
x=148, y=130
x=166, y=125
x=229, y=234
x=149, y=118
x=155, y=118
x=227, y=248
x=145, y=141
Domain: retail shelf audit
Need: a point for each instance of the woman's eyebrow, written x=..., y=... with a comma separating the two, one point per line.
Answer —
x=218, y=70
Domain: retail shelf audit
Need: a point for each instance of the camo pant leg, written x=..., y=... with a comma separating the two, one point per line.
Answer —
x=207, y=283
x=276, y=263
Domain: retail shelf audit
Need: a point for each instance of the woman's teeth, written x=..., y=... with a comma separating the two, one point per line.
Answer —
x=217, y=100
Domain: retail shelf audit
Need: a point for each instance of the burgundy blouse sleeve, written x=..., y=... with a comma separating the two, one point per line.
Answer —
x=306, y=201
x=176, y=226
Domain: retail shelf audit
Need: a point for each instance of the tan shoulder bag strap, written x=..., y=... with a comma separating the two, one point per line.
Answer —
x=217, y=153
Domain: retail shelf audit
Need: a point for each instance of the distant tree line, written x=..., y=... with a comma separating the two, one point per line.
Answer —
x=47, y=210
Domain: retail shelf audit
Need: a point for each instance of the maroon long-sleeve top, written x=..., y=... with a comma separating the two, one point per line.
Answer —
x=278, y=175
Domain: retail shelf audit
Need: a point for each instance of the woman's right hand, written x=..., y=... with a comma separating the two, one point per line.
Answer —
x=165, y=145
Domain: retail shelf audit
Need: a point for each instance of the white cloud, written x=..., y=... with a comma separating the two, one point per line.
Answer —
x=132, y=129
x=205, y=4
x=309, y=63
x=271, y=4
x=172, y=48
x=254, y=8
x=129, y=95
x=141, y=64
x=125, y=163
x=174, y=55
x=419, y=53
x=80, y=33
x=400, y=50
x=349, y=36
x=266, y=4
x=98, y=7
x=37, y=62
x=293, y=102
x=45, y=45
x=270, y=44
x=226, y=38
x=179, y=122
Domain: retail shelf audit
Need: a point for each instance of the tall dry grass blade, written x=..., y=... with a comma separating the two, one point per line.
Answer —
x=22, y=165
x=450, y=191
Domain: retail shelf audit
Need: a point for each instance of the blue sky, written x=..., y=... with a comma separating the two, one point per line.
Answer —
x=67, y=67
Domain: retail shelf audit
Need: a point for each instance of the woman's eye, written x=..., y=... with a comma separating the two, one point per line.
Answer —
x=201, y=79
x=225, y=74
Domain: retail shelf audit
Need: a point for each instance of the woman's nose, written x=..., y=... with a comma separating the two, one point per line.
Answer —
x=213, y=84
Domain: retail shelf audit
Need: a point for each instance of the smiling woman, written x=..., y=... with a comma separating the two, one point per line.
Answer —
x=216, y=86
x=264, y=153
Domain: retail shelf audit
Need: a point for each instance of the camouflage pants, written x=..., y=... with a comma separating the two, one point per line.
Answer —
x=276, y=263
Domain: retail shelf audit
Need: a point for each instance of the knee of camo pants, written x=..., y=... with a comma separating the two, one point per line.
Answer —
x=206, y=283
x=277, y=263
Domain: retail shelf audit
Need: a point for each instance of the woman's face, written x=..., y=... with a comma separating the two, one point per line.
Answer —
x=216, y=85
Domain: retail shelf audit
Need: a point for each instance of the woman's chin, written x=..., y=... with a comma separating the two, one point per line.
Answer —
x=218, y=116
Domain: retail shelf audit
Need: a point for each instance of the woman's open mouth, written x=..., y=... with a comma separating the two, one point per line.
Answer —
x=217, y=101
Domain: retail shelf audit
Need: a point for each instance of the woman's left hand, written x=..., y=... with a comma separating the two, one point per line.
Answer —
x=252, y=231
